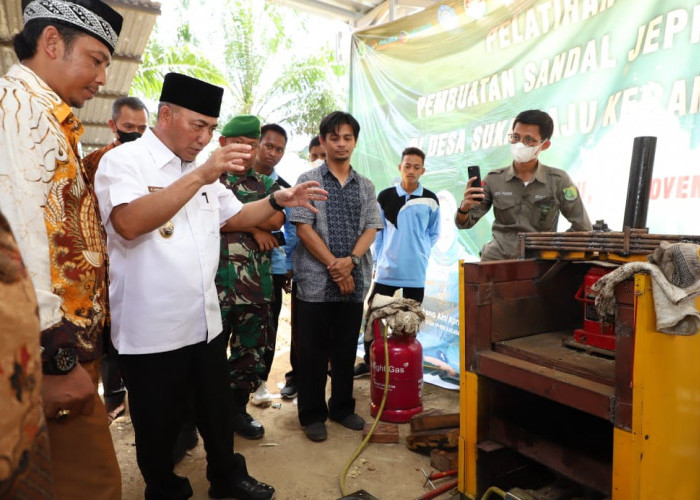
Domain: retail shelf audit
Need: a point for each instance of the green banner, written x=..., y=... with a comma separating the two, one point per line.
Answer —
x=451, y=78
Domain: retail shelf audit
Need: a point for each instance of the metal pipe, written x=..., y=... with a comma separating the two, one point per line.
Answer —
x=639, y=184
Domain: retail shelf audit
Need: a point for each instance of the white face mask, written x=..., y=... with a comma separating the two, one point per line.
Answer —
x=522, y=153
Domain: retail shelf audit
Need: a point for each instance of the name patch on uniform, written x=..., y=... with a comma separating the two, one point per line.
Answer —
x=503, y=193
x=570, y=193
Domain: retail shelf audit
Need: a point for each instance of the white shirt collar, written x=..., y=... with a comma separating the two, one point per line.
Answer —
x=162, y=155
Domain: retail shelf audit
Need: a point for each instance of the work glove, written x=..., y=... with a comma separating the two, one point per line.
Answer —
x=679, y=262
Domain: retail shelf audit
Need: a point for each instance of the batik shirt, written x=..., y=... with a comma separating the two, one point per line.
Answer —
x=350, y=210
x=245, y=271
x=92, y=160
x=50, y=206
x=22, y=427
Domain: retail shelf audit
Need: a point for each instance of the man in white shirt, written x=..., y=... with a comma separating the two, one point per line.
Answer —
x=163, y=216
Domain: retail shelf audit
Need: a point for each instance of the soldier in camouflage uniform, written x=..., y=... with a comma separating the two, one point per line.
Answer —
x=244, y=281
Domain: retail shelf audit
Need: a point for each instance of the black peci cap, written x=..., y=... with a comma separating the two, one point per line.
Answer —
x=193, y=94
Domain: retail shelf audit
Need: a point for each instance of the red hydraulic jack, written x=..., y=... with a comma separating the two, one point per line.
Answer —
x=438, y=490
x=594, y=332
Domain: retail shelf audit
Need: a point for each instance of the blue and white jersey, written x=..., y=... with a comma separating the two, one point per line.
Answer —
x=411, y=228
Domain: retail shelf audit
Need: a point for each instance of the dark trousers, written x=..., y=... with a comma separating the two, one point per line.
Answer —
x=114, y=390
x=327, y=330
x=160, y=386
x=291, y=375
x=388, y=290
x=277, y=283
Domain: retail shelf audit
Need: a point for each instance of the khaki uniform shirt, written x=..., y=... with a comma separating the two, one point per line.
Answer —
x=525, y=209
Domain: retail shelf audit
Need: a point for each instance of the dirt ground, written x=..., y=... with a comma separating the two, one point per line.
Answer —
x=297, y=467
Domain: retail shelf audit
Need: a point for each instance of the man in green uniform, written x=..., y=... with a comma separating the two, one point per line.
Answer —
x=527, y=196
x=244, y=280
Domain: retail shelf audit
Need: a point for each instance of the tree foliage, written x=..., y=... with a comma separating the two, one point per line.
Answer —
x=309, y=93
x=256, y=50
x=158, y=60
x=268, y=78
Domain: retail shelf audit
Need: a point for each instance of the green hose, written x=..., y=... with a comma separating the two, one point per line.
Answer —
x=495, y=490
x=492, y=490
x=376, y=419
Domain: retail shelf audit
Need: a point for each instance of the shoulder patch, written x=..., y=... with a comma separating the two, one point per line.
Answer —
x=570, y=193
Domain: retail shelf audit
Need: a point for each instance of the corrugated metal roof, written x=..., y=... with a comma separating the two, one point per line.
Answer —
x=359, y=14
x=139, y=18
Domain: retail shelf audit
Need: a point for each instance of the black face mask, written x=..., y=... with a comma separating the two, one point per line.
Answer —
x=127, y=136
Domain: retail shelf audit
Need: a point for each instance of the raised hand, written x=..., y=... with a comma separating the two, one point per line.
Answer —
x=473, y=196
x=229, y=158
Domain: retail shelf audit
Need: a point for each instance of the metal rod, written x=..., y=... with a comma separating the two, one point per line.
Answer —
x=639, y=185
x=641, y=251
x=587, y=233
x=438, y=491
x=630, y=241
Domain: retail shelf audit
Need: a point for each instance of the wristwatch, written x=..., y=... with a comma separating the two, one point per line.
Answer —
x=355, y=259
x=62, y=362
x=273, y=202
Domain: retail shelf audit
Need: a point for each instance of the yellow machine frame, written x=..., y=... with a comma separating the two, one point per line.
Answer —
x=660, y=457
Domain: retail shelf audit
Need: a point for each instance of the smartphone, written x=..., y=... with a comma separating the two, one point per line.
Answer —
x=474, y=171
x=279, y=236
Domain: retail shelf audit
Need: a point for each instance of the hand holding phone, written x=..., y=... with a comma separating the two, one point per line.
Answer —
x=474, y=171
x=472, y=198
x=279, y=236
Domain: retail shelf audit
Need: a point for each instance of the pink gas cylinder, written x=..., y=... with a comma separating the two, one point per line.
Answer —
x=404, y=398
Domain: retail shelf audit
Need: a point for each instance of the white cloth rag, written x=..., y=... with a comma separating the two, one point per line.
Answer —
x=403, y=316
x=675, y=307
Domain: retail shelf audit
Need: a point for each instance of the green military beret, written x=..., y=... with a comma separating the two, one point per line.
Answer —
x=242, y=126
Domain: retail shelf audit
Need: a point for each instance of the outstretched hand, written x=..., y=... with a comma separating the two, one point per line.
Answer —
x=301, y=195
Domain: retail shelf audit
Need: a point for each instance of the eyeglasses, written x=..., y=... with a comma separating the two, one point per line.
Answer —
x=527, y=140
